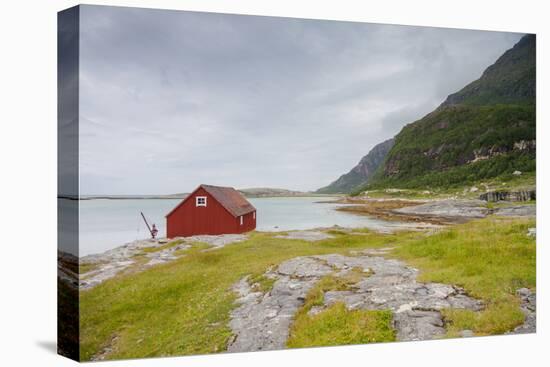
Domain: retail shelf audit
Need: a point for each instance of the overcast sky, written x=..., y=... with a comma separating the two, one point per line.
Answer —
x=172, y=99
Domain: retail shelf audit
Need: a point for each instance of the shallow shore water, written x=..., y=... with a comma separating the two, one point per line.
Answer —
x=107, y=224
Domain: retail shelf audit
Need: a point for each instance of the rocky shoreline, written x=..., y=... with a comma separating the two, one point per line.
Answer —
x=153, y=252
x=438, y=212
x=406, y=214
x=262, y=320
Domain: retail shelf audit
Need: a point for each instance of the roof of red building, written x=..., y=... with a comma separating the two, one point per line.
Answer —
x=232, y=200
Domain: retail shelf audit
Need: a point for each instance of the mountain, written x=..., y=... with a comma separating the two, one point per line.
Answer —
x=360, y=174
x=511, y=79
x=485, y=130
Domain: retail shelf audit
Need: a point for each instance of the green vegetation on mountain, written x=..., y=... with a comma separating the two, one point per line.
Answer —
x=511, y=79
x=476, y=143
x=487, y=130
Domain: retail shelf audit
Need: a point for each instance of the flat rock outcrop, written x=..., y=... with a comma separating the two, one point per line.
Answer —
x=262, y=321
x=217, y=241
x=529, y=308
x=460, y=210
x=448, y=209
x=517, y=211
x=114, y=261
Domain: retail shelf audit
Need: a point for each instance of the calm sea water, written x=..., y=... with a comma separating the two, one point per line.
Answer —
x=105, y=224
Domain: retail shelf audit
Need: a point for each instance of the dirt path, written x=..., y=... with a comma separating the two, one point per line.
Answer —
x=262, y=321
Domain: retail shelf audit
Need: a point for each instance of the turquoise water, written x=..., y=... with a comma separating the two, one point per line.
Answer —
x=105, y=224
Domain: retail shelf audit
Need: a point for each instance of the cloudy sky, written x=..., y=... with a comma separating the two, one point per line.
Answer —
x=171, y=99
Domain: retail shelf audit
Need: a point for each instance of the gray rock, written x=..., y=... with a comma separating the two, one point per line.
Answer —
x=262, y=321
x=166, y=255
x=104, y=272
x=517, y=211
x=467, y=333
x=504, y=195
x=418, y=325
x=304, y=267
x=217, y=241
x=112, y=262
x=523, y=292
x=448, y=209
x=529, y=309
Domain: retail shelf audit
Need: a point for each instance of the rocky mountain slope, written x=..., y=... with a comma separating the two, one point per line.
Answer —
x=511, y=79
x=360, y=174
x=486, y=130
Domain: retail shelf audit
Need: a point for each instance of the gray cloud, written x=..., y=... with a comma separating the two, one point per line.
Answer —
x=172, y=99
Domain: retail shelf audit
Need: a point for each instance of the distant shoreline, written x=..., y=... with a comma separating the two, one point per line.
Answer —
x=169, y=197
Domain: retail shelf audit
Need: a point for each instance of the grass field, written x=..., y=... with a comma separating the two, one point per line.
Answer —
x=490, y=258
x=336, y=325
x=183, y=307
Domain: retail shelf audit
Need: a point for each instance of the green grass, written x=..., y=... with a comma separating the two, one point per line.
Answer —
x=338, y=326
x=336, y=232
x=490, y=258
x=331, y=283
x=183, y=307
x=261, y=283
x=160, y=248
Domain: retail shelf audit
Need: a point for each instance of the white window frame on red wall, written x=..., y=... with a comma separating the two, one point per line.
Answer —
x=241, y=220
x=199, y=201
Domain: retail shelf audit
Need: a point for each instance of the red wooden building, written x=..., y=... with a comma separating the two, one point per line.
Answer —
x=211, y=210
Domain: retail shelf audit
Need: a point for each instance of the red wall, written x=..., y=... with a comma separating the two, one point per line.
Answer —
x=190, y=220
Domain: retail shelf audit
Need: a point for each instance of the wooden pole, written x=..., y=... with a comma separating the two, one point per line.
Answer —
x=147, y=224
